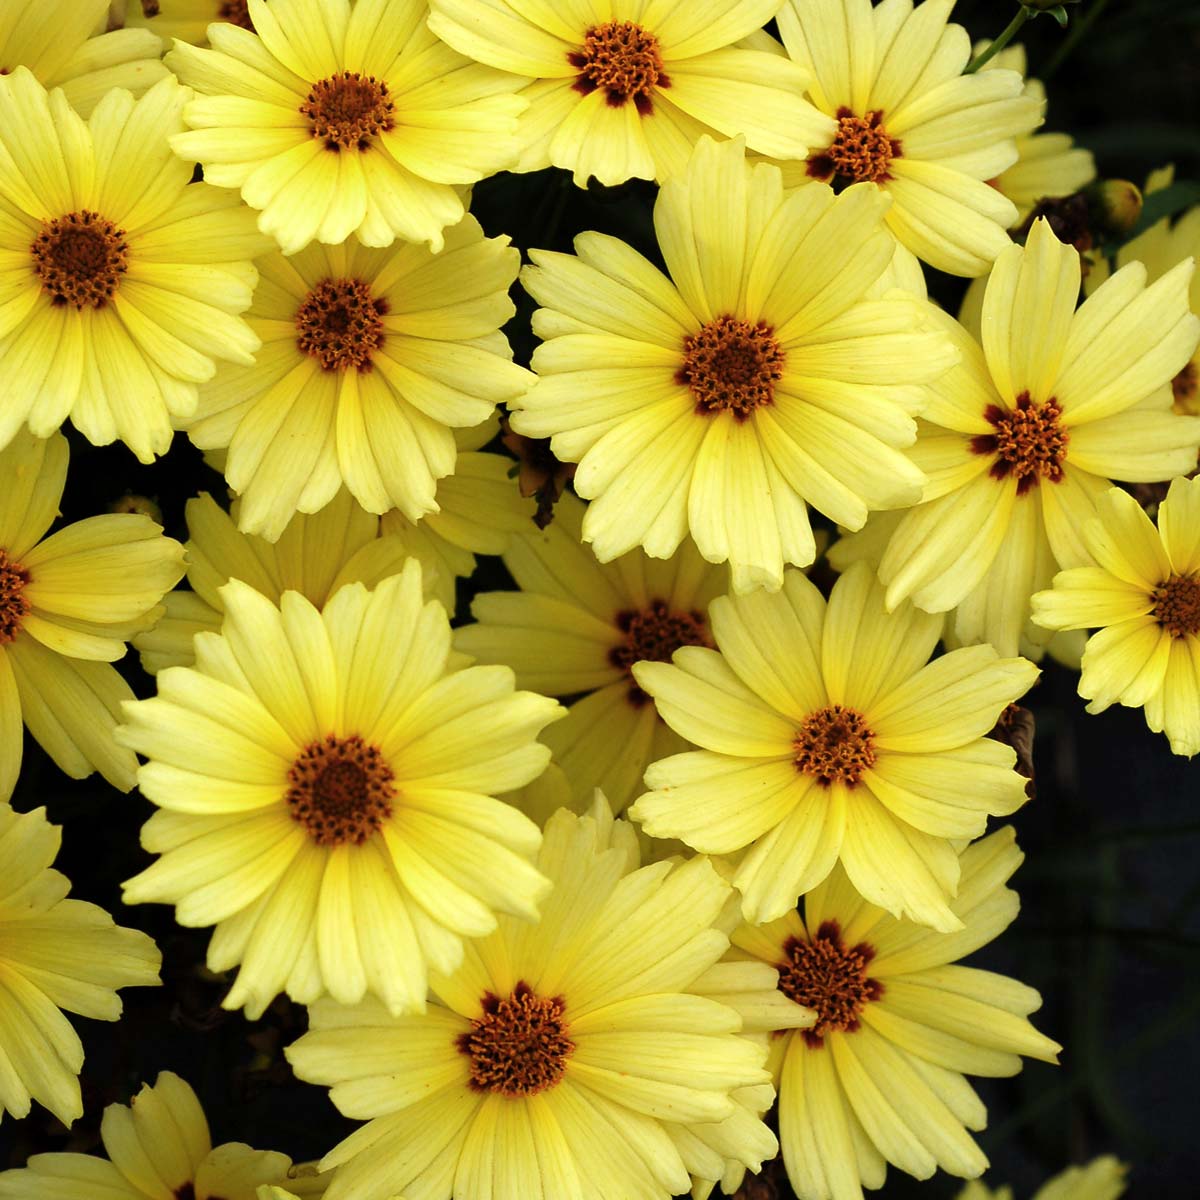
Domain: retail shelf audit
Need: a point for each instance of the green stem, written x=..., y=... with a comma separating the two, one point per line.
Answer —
x=986, y=56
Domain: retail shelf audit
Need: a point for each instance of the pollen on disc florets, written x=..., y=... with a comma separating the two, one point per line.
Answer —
x=1030, y=442
x=731, y=365
x=1177, y=605
x=861, y=151
x=348, y=109
x=80, y=259
x=340, y=789
x=829, y=977
x=834, y=744
x=624, y=61
x=653, y=634
x=340, y=324
x=520, y=1045
x=14, y=604
x=236, y=12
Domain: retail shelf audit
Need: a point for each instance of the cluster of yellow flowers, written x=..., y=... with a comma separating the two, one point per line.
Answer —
x=520, y=991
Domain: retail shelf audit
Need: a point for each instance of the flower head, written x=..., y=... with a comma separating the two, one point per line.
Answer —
x=1048, y=164
x=158, y=1148
x=910, y=123
x=577, y=627
x=825, y=737
x=325, y=779
x=128, y=278
x=55, y=954
x=338, y=119
x=64, y=44
x=760, y=377
x=68, y=604
x=1024, y=435
x=878, y=1078
x=625, y=89
x=593, y=1054
x=1143, y=595
x=370, y=360
x=1101, y=1179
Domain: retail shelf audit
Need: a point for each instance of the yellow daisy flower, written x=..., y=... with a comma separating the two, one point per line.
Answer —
x=325, y=780
x=344, y=117
x=590, y=1055
x=370, y=359
x=123, y=280
x=622, y=88
x=159, y=1148
x=760, y=376
x=878, y=1078
x=64, y=44
x=479, y=510
x=315, y=556
x=911, y=124
x=1022, y=438
x=68, y=604
x=1048, y=164
x=1101, y=1179
x=577, y=627
x=1163, y=246
x=55, y=954
x=826, y=738
x=187, y=20
x=1143, y=595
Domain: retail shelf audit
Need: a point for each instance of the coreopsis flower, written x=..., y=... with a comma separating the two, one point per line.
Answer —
x=1165, y=245
x=159, y=1148
x=315, y=556
x=827, y=737
x=577, y=627
x=55, y=954
x=64, y=44
x=909, y=122
x=1024, y=435
x=1048, y=164
x=126, y=279
x=371, y=359
x=591, y=1055
x=187, y=20
x=1143, y=595
x=325, y=780
x=68, y=604
x=346, y=118
x=1101, y=1179
x=878, y=1078
x=756, y=379
x=625, y=90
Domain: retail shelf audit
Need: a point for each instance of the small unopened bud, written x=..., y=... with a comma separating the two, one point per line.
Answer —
x=130, y=503
x=1116, y=206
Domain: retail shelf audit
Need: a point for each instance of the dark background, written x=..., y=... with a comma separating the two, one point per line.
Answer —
x=1110, y=924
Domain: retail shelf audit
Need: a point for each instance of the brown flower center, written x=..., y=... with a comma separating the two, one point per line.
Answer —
x=861, y=152
x=653, y=634
x=14, y=604
x=623, y=60
x=830, y=978
x=1176, y=605
x=340, y=790
x=1185, y=387
x=1030, y=442
x=340, y=325
x=520, y=1046
x=834, y=744
x=732, y=366
x=348, y=109
x=236, y=12
x=80, y=258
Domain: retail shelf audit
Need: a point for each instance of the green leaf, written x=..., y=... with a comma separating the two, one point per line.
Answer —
x=1166, y=202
